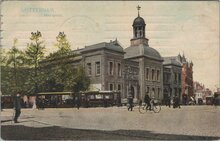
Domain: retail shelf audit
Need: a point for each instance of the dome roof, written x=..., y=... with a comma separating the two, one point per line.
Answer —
x=142, y=50
x=139, y=21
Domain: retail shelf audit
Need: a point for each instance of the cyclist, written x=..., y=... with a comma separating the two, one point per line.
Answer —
x=147, y=100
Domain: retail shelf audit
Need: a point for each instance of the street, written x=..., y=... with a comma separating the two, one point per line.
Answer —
x=188, y=122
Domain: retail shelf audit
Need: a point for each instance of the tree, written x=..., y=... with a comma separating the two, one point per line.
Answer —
x=63, y=76
x=63, y=46
x=13, y=71
x=34, y=54
x=78, y=82
x=14, y=61
x=3, y=57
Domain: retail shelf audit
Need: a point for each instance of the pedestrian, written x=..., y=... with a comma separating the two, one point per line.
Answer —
x=130, y=101
x=77, y=102
x=176, y=102
x=2, y=105
x=147, y=100
x=184, y=99
x=168, y=101
x=17, y=107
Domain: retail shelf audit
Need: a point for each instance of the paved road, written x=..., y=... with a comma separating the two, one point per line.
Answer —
x=188, y=122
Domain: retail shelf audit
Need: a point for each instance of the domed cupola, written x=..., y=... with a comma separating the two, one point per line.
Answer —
x=139, y=30
x=139, y=22
x=138, y=26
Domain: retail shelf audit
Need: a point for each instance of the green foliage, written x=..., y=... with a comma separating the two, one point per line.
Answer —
x=63, y=46
x=78, y=82
x=7, y=80
x=11, y=73
x=35, y=49
x=3, y=57
x=23, y=71
x=34, y=54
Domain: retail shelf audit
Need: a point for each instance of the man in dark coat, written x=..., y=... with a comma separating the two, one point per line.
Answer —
x=17, y=107
x=176, y=102
x=168, y=101
x=130, y=101
x=147, y=100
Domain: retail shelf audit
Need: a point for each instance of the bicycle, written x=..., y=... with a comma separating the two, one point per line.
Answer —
x=155, y=106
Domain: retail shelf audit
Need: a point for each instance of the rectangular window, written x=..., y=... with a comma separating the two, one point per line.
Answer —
x=179, y=91
x=89, y=68
x=119, y=87
x=98, y=69
x=153, y=74
x=175, y=91
x=111, y=87
x=179, y=78
x=111, y=68
x=158, y=92
x=158, y=75
x=175, y=78
x=147, y=73
x=153, y=93
x=119, y=69
x=148, y=89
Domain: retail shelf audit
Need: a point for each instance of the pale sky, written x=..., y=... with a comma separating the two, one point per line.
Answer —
x=172, y=27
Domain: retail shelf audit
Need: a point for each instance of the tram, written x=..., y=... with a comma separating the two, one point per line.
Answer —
x=87, y=99
x=7, y=101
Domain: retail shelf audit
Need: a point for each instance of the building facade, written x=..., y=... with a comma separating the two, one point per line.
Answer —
x=172, y=78
x=138, y=68
x=150, y=74
x=185, y=78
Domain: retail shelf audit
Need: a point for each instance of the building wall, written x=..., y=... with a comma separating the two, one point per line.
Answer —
x=172, y=86
x=92, y=58
x=147, y=85
x=187, y=79
x=131, y=73
x=105, y=80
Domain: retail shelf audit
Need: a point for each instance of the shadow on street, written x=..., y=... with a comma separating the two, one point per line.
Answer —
x=20, y=132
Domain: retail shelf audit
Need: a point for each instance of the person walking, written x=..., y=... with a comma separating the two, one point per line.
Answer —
x=77, y=102
x=168, y=101
x=17, y=107
x=130, y=101
x=176, y=102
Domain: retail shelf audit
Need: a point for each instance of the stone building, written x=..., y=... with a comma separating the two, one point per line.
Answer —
x=172, y=70
x=104, y=64
x=185, y=78
x=138, y=68
x=149, y=60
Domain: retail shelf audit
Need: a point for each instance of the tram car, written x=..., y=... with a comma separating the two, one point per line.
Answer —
x=87, y=99
x=7, y=101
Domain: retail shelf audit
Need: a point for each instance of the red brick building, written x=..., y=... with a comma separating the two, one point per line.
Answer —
x=186, y=77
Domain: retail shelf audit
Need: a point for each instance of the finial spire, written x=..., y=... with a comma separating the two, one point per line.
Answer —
x=138, y=8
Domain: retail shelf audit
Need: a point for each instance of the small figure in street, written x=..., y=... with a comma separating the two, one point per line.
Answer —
x=2, y=105
x=147, y=100
x=184, y=99
x=130, y=101
x=215, y=99
x=168, y=101
x=17, y=107
x=41, y=103
x=176, y=102
x=77, y=102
